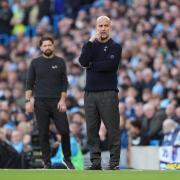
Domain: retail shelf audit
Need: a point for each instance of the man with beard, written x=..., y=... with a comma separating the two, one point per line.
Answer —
x=101, y=57
x=47, y=81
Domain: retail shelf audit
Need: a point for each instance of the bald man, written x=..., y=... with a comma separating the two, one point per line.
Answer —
x=101, y=57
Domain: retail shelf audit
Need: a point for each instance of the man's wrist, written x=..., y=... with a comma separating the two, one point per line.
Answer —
x=27, y=100
x=62, y=99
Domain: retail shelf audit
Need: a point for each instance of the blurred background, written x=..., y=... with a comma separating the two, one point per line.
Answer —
x=148, y=78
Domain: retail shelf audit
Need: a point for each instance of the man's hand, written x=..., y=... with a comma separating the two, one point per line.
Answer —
x=94, y=37
x=61, y=105
x=28, y=102
x=29, y=107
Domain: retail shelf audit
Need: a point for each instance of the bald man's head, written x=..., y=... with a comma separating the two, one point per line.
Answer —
x=103, y=27
x=100, y=18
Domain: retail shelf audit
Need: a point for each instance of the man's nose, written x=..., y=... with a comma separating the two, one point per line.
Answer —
x=104, y=28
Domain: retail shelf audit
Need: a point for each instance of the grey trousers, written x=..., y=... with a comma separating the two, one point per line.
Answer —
x=102, y=106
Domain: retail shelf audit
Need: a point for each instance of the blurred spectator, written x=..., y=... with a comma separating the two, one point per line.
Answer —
x=170, y=111
x=44, y=8
x=139, y=111
x=152, y=124
x=135, y=133
x=16, y=140
x=5, y=17
x=177, y=117
x=78, y=120
x=9, y=156
x=130, y=113
x=169, y=151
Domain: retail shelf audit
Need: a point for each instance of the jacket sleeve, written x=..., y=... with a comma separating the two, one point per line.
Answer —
x=31, y=77
x=86, y=54
x=110, y=63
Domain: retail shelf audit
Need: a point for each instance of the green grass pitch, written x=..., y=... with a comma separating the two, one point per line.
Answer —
x=88, y=175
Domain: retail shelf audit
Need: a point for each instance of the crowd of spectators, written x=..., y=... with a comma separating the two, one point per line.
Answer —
x=148, y=77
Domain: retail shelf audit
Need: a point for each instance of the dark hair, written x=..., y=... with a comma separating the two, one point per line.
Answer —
x=46, y=38
x=136, y=124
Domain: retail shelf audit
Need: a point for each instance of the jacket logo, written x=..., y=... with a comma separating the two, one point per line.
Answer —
x=54, y=67
x=105, y=48
x=112, y=56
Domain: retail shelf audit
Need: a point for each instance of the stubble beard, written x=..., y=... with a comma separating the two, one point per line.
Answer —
x=104, y=38
x=48, y=53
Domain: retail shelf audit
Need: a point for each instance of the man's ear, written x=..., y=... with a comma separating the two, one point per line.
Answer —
x=40, y=48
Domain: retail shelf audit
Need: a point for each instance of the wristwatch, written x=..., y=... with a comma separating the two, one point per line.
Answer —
x=27, y=100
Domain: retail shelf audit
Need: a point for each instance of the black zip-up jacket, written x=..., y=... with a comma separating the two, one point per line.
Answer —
x=101, y=61
x=47, y=77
